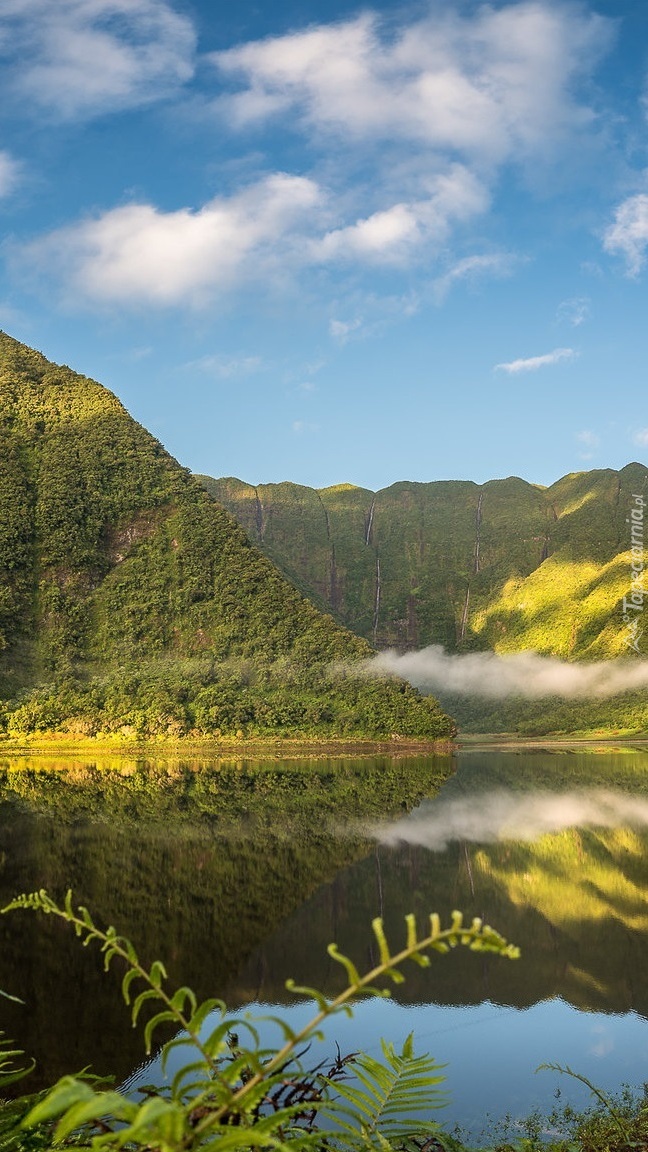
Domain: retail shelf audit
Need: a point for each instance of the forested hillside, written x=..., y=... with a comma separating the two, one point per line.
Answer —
x=507, y=565
x=131, y=602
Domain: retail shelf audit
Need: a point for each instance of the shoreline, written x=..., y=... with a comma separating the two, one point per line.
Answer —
x=287, y=748
x=507, y=741
x=252, y=748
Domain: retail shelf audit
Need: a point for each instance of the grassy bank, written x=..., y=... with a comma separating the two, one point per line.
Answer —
x=269, y=748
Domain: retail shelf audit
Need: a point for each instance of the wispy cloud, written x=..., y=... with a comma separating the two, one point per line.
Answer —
x=78, y=58
x=532, y=363
x=10, y=171
x=520, y=674
x=371, y=314
x=574, y=311
x=227, y=367
x=590, y=441
x=628, y=235
x=342, y=330
x=471, y=268
x=641, y=437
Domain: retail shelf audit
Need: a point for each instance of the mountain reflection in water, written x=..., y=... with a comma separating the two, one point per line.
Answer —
x=240, y=878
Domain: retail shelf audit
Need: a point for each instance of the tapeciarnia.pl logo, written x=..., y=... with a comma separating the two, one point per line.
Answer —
x=633, y=602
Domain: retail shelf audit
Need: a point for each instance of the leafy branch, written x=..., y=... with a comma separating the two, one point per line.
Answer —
x=238, y=1097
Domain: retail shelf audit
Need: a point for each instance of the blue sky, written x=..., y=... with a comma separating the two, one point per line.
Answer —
x=322, y=242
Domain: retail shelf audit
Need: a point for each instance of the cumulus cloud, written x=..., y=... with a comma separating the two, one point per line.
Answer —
x=426, y=110
x=520, y=674
x=532, y=363
x=78, y=58
x=9, y=173
x=491, y=816
x=429, y=108
x=138, y=253
x=493, y=84
x=628, y=235
x=393, y=234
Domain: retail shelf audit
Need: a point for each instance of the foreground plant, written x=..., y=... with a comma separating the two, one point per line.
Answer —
x=231, y=1095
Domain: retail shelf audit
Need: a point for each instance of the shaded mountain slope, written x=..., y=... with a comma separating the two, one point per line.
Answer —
x=139, y=600
x=507, y=565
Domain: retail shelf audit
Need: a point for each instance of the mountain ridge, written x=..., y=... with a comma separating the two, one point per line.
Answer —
x=505, y=565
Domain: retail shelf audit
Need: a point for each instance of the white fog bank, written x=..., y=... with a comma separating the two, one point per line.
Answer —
x=518, y=674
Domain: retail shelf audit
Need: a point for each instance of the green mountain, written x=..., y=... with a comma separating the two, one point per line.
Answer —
x=506, y=566
x=131, y=602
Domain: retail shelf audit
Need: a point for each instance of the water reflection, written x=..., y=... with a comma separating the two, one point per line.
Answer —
x=490, y=816
x=197, y=864
x=240, y=876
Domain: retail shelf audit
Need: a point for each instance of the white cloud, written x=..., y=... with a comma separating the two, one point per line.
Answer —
x=628, y=236
x=400, y=231
x=77, y=58
x=471, y=268
x=574, y=311
x=641, y=437
x=532, y=363
x=140, y=254
x=493, y=84
x=9, y=173
x=424, y=112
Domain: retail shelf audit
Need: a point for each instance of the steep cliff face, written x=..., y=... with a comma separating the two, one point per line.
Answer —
x=507, y=565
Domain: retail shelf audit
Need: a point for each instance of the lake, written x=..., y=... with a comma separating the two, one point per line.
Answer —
x=238, y=874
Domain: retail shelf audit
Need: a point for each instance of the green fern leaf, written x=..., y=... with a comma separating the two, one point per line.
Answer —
x=380, y=1110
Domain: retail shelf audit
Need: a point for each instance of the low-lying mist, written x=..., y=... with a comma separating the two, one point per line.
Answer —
x=519, y=674
x=487, y=817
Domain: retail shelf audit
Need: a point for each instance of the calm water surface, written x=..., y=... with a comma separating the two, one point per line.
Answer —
x=239, y=875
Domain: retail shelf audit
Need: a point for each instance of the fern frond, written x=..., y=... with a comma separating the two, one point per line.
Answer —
x=250, y=1097
x=9, y=1072
x=381, y=1109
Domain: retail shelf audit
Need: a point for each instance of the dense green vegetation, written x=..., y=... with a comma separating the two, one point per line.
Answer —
x=622, y=715
x=231, y=1092
x=201, y=860
x=228, y=1090
x=507, y=566
x=130, y=601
